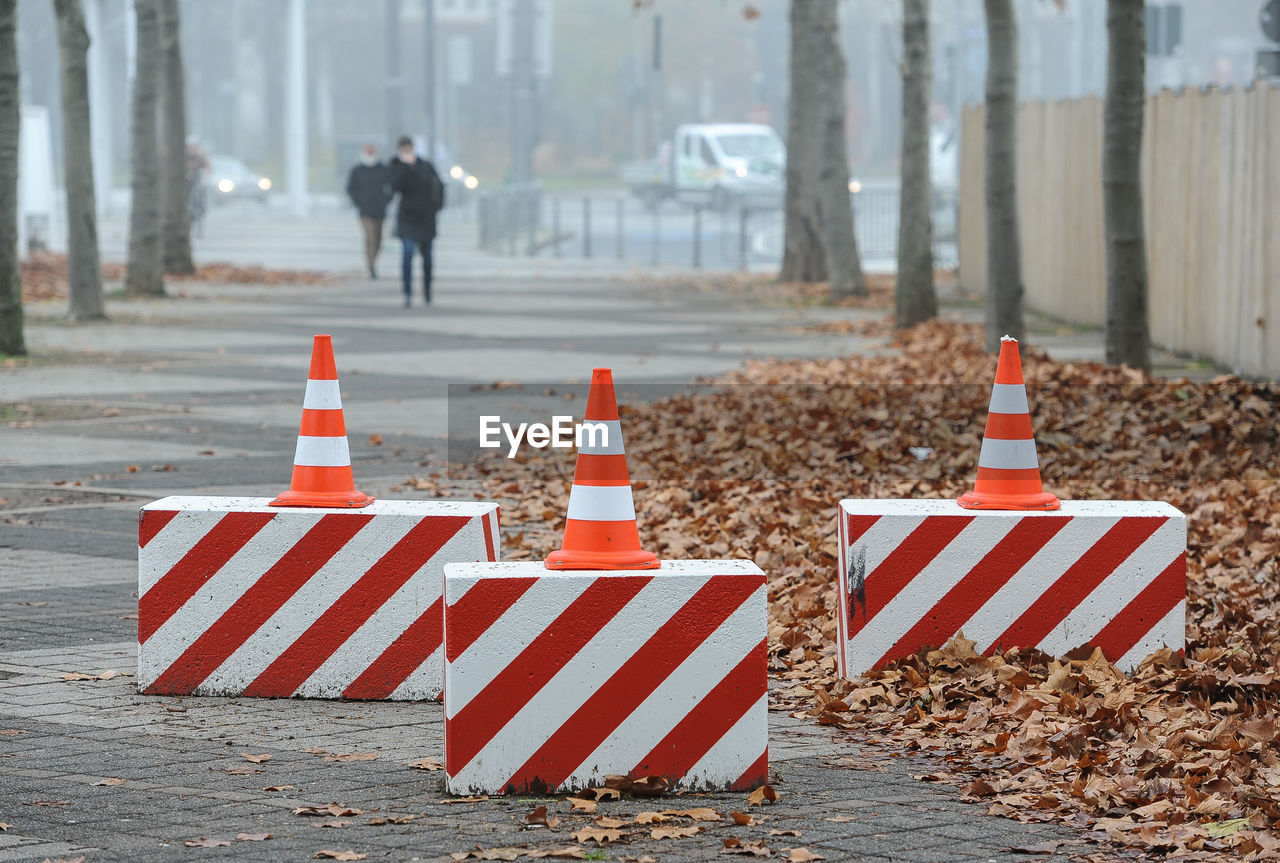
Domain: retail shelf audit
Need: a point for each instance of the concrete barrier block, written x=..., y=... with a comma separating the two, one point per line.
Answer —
x=239, y=598
x=913, y=573
x=554, y=680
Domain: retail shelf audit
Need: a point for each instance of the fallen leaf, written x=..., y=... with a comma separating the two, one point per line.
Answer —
x=578, y=804
x=742, y=819
x=426, y=764
x=79, y=675
x=675, y=832
x=206, y=843
x=48, y=803
x=489, y=854
x=753, y=848
x=333, y=810
x=599, y=835
x=841, y=819
x=4, y=827
x=375, y=440
x=761, y=795
x=474, y=799
x=335, y=823
x=352, y=756
x=795, y=833
x=605, y=821
x=649, y=786
x=539, y=818
x=1220, y=829
x=569, y=852
x=338, y=855
x=278, y=788
x=239, y=771
x=803, y=855
x=255, y=759
x=650, y=818
x=112, y=781
x=253, y=837
x=10, y=732
x=601, y=794
x=316, y=751
x=391, y=819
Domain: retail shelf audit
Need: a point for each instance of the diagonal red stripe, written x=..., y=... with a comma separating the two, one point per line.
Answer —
x=978, y=585
x=904, y=563
x=151, y=522
x=197, y=566
x=256, y=605
x=642, y=673
x=410, y=649
x=483, y=716
x=755, y=775
x=709, y=720
x=292, y=667
x=1080, y=579
x=479, y=608
x=1146, y=609
x=857, y=525
x=488, y=536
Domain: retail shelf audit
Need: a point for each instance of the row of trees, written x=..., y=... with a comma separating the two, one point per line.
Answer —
x=820, y=244
x=159, y=228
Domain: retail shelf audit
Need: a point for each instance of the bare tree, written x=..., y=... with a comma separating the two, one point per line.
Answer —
x=11, y=339
x=83, y=263
x=916, y=300
x=1004, y=247
x=1128, y=335
x=819, y=242
x=173, y=149
x=144, y=275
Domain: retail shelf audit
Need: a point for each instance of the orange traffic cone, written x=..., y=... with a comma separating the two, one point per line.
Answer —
x=600, y=531
x=322, y=461
x=1008, y=469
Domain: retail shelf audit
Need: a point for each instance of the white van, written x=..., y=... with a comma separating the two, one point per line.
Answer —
x=720, y=164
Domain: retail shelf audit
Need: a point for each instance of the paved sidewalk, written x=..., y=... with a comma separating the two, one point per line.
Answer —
x=201, y=395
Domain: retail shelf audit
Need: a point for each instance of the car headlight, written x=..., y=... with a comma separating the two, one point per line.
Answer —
x=471, y=182
x=741, y=171
x=226, y=187
x=456, y=172
x=264, y=184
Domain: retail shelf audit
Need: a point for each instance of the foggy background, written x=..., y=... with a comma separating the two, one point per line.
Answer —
x=600, y=98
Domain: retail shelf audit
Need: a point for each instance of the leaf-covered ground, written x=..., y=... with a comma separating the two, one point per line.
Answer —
x=44, y=275
x=1182, y=758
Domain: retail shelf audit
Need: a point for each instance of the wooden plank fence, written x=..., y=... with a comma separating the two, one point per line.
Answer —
x=1211, y=186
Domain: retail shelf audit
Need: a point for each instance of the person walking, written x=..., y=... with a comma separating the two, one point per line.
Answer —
x=369, y=188
x=421, y=197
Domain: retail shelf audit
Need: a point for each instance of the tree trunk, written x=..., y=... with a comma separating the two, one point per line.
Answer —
x=804, y=258
x=1004, y=247
x=914, y=296
x=1128, y=336
x=11, y=340
x=144, y=275
x=83, y=264
x=173, y=146
x=835, y=203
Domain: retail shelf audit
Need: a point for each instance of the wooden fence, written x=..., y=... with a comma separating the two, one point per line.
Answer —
x=1211, y=186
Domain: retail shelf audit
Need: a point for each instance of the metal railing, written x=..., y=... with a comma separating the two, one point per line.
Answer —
x=525, y=221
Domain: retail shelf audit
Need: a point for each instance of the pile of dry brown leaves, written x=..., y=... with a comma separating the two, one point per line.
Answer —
x=1184, y=756
x=44, y=275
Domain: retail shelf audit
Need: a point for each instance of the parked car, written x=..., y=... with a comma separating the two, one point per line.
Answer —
x=230, y=179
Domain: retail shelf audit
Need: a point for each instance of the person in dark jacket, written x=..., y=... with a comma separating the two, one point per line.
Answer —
x=369, y=188
x=421, y=197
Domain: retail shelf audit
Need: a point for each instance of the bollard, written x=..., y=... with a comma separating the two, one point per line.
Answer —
x=621, y=228
x=603, y=659
x=1009, y=565
x=697, y=237
x=586, y=227
x=323, y=592
x=742, y=239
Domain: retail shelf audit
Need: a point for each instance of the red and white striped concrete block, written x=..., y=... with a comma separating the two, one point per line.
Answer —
x=236, y=597
x=916, y=572
x=554, y=680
